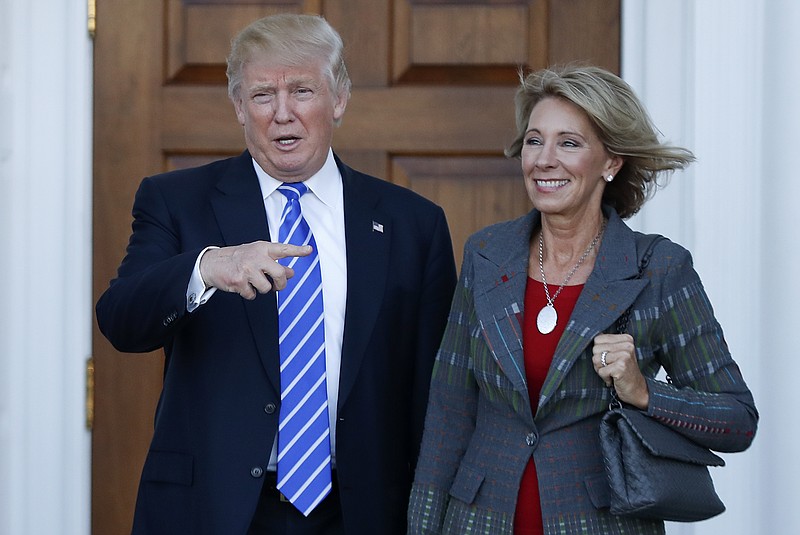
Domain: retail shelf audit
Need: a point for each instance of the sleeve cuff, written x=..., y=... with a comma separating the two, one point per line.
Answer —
x=197, y=293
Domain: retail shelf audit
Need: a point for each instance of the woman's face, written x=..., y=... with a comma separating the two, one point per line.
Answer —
x=563, y=160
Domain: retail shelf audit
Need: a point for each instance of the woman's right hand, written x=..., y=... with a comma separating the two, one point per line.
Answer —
x=614, y=359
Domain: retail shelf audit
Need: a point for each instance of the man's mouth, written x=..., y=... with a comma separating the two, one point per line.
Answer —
x=286, y=141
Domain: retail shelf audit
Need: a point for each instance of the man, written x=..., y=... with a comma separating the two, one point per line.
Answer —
x=204, y=277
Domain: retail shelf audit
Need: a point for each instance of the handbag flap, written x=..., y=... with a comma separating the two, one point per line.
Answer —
x=660, y=440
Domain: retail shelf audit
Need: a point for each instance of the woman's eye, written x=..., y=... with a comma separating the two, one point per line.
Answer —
x=533, y=141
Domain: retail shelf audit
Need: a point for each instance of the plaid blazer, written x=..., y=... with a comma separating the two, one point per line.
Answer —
x=480, y=430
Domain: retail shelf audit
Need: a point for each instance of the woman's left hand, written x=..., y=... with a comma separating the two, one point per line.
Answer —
x=614, y=359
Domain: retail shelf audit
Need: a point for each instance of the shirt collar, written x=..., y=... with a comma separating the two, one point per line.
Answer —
x=325, y=184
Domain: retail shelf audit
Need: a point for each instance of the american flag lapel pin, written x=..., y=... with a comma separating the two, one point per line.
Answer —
x=377, y=227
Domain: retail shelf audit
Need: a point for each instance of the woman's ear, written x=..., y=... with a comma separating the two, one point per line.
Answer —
x=615, y=163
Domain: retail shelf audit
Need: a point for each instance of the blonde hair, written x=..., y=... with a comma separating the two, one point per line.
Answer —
x=292, y=40
x=620, y=121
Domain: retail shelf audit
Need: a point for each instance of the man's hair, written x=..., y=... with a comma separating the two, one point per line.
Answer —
x=291, y=40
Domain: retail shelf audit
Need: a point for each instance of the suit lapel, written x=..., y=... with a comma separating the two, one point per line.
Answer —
x=239, y=209
x=368, y=232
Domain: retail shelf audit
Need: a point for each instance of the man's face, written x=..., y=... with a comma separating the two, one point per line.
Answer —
x=288, y=114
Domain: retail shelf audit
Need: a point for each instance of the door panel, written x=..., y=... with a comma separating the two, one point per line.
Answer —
x=431, y=109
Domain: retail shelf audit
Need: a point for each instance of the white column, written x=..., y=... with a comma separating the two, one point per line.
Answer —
x=698, y=66
x=656, y=50
x=728, y=96
x=45, y=239
x=778, y=252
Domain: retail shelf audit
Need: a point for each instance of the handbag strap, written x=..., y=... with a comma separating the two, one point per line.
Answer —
x=650, y=240
x=621, y=326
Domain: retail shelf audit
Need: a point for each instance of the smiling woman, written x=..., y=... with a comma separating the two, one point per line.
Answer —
x=562, y=157
x=517, y=363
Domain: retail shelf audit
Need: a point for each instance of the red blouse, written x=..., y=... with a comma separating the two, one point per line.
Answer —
x=538, y=349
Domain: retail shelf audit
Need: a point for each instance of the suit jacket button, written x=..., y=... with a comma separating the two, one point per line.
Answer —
x=530, y=439
x=256, y=471
x=269, y=408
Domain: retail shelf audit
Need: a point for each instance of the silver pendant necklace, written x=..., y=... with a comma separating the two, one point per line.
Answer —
x=548, y=317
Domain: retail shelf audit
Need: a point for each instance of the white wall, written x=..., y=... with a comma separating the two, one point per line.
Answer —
x=778, y=257
x=45, y=262
x=719, y=76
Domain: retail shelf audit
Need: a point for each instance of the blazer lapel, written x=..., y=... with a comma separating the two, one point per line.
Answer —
x=611, y=289
x=368, y=232
x=239, y=208
x=501, y=274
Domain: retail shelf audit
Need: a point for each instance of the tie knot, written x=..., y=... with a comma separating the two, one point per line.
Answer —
x=293, y=190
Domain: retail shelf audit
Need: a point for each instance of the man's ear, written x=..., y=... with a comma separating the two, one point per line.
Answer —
x=339, y=105
x=238, y=106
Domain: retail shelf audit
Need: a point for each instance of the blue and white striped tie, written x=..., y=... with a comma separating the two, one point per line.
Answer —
x=304, y=450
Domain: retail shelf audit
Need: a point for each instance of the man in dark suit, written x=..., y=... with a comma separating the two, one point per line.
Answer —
x=200, y=278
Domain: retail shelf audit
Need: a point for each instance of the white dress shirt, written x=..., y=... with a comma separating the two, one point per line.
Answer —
x=323, y=210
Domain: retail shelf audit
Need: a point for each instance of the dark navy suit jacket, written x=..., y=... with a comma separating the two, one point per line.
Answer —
x=218, y=412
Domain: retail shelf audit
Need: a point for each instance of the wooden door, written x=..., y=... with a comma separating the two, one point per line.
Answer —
x=431, y=109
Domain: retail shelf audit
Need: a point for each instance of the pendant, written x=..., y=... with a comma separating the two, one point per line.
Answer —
x=547, y=319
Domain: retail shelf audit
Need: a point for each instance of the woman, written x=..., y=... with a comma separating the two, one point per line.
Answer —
x=521, y=379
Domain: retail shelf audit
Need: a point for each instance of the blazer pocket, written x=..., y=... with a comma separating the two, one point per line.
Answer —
x=599, y=492
x=168, y=467
x=466, y=484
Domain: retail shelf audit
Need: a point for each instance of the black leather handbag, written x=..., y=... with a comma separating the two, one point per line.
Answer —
x=654, y=472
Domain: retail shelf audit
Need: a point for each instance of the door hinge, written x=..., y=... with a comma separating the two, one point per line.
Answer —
x=89, y=393
x=91, y=18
